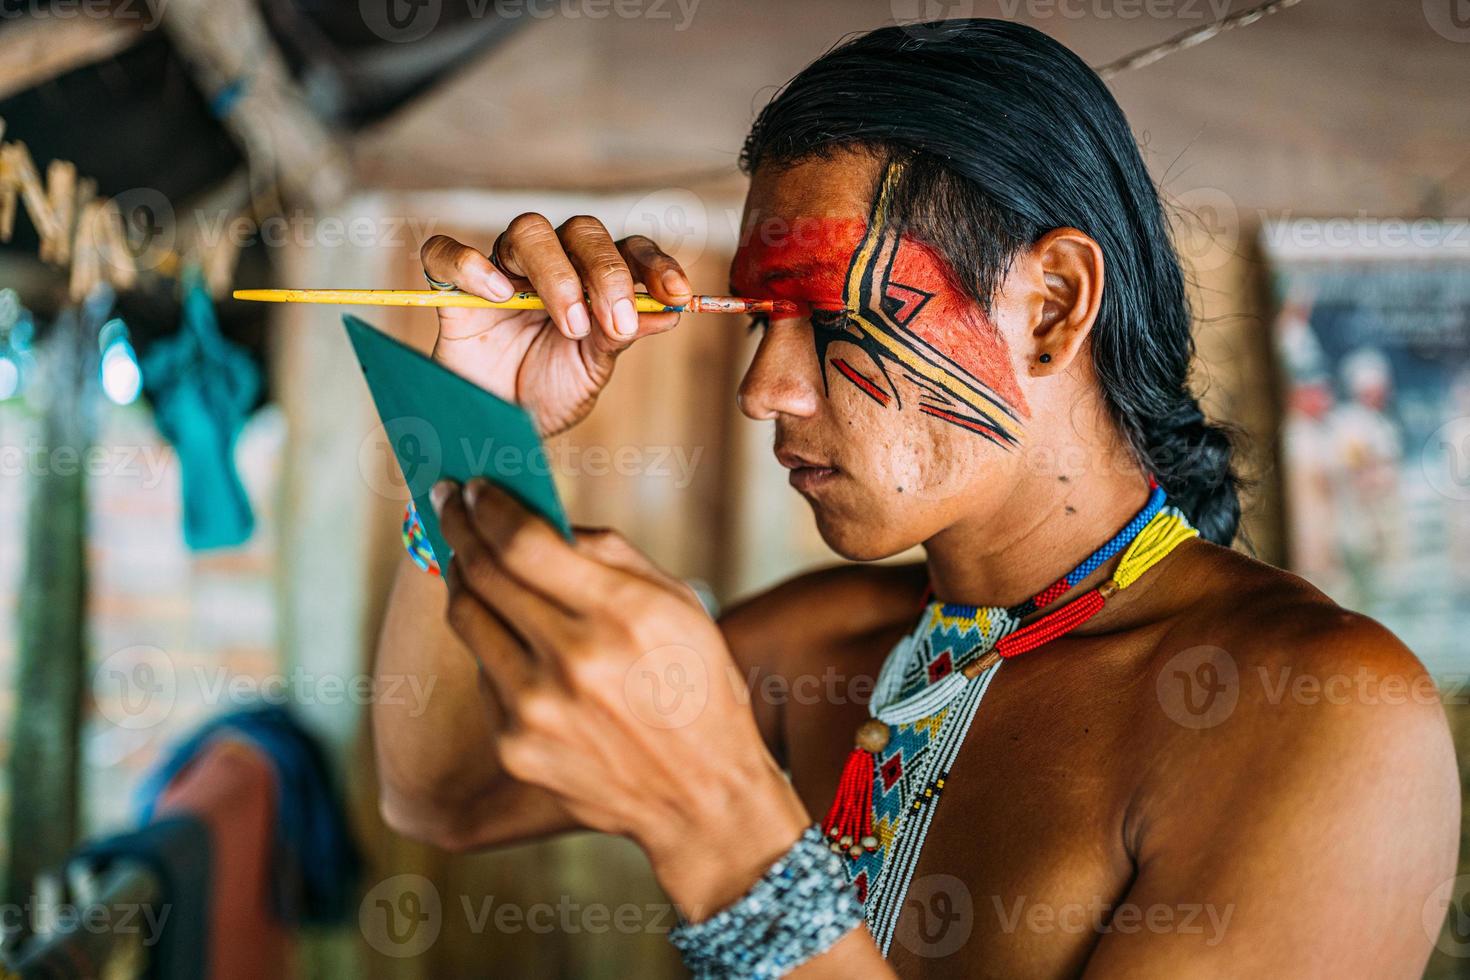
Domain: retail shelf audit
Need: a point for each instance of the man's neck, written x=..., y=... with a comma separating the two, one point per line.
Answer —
x=1050, y=522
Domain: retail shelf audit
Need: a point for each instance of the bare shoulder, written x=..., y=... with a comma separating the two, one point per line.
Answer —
x=819, y=607
x=1267, y=624
x=1287, y=765
x=1306, y=714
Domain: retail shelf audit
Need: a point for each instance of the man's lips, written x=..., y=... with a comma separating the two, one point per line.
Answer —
x=807, y=473
x=793, y=460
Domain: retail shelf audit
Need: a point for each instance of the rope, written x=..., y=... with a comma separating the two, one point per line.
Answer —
x=1189, y=39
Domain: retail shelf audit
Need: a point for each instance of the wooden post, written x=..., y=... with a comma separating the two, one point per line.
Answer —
x=51, y=648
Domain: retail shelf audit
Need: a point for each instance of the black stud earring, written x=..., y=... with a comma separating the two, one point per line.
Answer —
x=1045, y=358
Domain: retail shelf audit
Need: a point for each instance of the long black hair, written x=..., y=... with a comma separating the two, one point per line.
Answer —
x=1005, y=135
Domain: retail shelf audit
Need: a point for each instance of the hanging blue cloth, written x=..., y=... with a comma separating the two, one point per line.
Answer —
x=203, y=387
x=316, y=861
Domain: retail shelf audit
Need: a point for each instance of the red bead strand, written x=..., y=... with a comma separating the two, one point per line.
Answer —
x=1052, y=625
x=851, y=814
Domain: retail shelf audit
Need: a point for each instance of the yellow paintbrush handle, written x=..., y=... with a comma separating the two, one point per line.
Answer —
x=417, y=297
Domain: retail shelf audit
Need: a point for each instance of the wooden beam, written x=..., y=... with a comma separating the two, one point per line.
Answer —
x=225, y=44
x=50, y=673
x=36, y=49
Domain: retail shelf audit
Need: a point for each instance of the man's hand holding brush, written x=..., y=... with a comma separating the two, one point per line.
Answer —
x=552, y=362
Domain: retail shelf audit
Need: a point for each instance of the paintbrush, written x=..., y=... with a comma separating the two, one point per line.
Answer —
x=520, y=301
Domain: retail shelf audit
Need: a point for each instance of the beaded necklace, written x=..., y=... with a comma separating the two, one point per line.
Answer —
x=926, y=696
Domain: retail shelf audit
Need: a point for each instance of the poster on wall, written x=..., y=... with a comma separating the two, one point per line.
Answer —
x=1372, y=337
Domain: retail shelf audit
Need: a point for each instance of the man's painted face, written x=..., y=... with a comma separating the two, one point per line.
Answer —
x=917, y=393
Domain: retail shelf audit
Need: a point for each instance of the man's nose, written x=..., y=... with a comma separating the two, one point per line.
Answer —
x=784, y=376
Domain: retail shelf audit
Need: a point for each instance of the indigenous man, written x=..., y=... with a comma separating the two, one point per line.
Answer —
x=1089, y=720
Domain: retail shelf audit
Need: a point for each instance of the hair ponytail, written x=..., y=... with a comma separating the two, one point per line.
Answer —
x=1192, y=458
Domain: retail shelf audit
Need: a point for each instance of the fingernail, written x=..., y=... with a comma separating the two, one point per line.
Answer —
x=441, y=493
x=676, y=284
x=498, y=286
x=577, y=320
x=625, y=317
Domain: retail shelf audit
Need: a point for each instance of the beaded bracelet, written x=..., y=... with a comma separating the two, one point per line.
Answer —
x=797, y=910
x=416, y=541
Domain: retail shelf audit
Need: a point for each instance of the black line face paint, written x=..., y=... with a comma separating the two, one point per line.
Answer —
x=901, y=309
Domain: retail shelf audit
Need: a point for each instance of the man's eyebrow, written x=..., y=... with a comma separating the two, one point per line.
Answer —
x=800, y=270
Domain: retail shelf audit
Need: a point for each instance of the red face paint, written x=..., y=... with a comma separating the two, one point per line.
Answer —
x=897, y=300
x=804, y=261
x=949, y=320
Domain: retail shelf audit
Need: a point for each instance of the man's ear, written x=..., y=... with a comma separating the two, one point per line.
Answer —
x=1065, y=272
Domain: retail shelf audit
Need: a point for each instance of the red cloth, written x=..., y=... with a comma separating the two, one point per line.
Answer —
x=232, y=788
